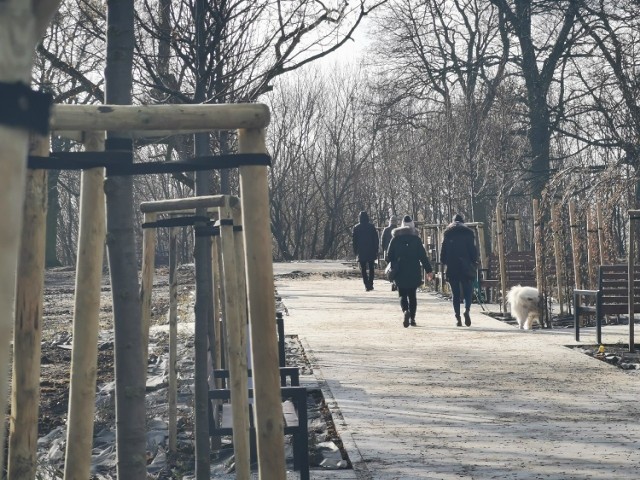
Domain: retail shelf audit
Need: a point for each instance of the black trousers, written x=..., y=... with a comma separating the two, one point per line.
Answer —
x=367, y=270
x=408, y=300
x=467, y=292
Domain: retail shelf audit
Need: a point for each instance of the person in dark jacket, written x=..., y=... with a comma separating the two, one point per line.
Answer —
x=365, y=246
x=386, y=233
x=459, y=254
x=407, y=250
x=386, y=239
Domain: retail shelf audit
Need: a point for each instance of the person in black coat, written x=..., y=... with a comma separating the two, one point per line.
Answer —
x=365, y=246
x=407, y=251
x=386, y=233
x=460, y=255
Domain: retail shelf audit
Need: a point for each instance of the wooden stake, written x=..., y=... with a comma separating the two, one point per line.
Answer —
x=634, y=215
x=25, y=395
x=482, y=247
x=221, y=361
x=518, y=225
x=236, y=348
x=146, y=282
x=539, y=249
x=173, y=341
x=601, y=239
x=593, y=252
x=557, y=249
x=501, y=256
x=13, y=152
x=575, y=244
x=86, y=318
x=254, y=188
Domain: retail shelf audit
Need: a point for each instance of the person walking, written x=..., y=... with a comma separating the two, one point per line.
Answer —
x=459, y=254
x=365, y=246
x=386, y=233
x=386, y=239
x=407, y=251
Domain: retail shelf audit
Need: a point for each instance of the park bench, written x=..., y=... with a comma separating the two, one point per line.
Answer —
x=520, y=267
x=294, y=407
x=611, y=297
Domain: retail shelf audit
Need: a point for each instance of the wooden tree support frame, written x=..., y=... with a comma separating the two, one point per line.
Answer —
x=160, y=120
x=231, y=265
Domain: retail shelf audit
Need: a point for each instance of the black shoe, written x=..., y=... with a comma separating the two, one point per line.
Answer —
x=407, y=316
x=413, y=323
x=371, y=287
x=393, y=287
x=467, y=318
x=458, y=321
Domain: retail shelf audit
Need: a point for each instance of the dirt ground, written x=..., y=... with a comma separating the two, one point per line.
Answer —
x=56, y=358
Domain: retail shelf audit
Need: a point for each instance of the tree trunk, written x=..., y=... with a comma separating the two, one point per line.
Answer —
x=204, y=295
x=123, y=264
x=539, y=141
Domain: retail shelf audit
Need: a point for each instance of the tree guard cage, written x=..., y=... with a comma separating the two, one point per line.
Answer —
x=91, y=122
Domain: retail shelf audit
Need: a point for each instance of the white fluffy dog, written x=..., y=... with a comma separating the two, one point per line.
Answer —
x=524, y=305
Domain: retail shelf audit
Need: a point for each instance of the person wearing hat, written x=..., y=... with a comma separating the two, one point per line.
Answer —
x=365, y=246
x=460, y=255
x=407, y=251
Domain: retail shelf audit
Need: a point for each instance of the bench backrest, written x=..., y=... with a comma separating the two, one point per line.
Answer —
x=613, y=285
x=521, y=268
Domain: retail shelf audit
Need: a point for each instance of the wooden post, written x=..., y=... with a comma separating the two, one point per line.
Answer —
x=538, y=236
x=601, y=239
x=173, y=341
x=501, y=256
x=146, y=282
x=518, y=225
x=575, y=244
x=254, y=187
x=236, y=347
x=556, y=226
x=482, y=247
x=86, y=318
x=236, y=211
x=218, y=304
x=631, y=260
x=167, y=118
x=494, y=237
x=593, y=252
x=21, y=26
x=25, y=394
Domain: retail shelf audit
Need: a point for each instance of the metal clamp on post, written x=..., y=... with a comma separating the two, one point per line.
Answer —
x=24, y=108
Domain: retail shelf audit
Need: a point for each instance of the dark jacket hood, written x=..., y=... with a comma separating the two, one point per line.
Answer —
x=456, y=226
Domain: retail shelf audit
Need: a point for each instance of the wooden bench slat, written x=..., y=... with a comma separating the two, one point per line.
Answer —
x=290, y=414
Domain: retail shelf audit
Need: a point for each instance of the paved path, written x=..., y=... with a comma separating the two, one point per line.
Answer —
x=441, y=402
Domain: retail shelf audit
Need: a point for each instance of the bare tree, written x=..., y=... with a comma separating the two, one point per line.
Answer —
x=130, y=366
x=451, y=57
x=545, y=32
